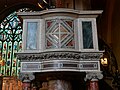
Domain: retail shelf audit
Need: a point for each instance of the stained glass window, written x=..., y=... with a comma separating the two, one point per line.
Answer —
x=10, y=42
x=60, y=33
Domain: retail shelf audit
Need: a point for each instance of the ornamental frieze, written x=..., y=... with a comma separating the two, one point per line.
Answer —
x=59, y=55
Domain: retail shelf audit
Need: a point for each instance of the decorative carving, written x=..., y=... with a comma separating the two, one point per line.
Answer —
x=59, y=65
x=93, y=76
x=60, y=60
x=59, y=55
x=26, y=77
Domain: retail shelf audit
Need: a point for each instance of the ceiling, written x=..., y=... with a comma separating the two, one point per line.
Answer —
x=8, y=6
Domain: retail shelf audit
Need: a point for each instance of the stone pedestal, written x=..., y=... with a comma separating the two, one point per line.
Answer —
x=59, y=85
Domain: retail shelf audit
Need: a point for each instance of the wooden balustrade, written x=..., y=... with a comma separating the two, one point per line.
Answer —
x=11, y=83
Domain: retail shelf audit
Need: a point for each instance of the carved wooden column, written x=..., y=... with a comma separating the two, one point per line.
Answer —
x=93, y=78
x=59, y=85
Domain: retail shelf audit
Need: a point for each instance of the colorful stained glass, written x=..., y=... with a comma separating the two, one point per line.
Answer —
x=10, y=42
x=60, y=33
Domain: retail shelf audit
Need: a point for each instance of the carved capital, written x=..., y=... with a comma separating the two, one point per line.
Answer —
x=26, y=77
x=93, y=76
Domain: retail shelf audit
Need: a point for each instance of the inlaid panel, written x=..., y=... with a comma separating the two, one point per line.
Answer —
x=87, y=34
x=59, y=33
x=31, y=35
